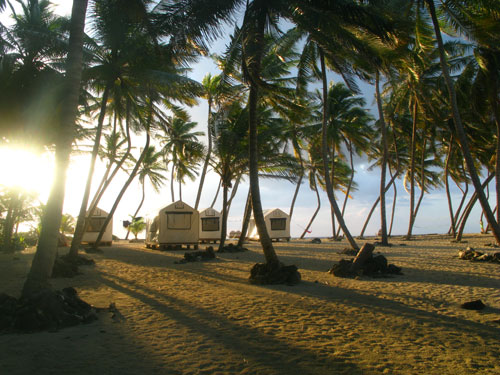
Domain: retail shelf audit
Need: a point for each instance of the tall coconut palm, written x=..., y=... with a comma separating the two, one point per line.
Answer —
x=112, y=53
x=478, y=20
x=461, y=134
x=211, y=85
x=41, y=267
x=348, y=129
x=230, y=151
x=147, y=119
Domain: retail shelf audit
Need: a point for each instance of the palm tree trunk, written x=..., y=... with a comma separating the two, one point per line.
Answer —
x=394, y=199
x=413, y=146
x=464, y=191
x=332, y=211
x=469, y=207
x=487, y=229
x=127, y=183
x=254, y=68
x=383, y=218
x=496, y=116
x=41, y=267
x=107, y=171
x=306, y=229
x=80, y=223
x=375, y=204
x=422, y=179
x=207, y=158
x=118, y=166
x=101, y=184
x=233, y=193
x=8, y=227
x=223, y=230
x=482, y=212
x=459, y=209
x=216, y=194
x=180, y=190
x=447, y=187
x=172, y=182
x=324, y=150
x=299, y=182
x=351, y=179
x=246, y=219
x=138, y=207
x=462, y=137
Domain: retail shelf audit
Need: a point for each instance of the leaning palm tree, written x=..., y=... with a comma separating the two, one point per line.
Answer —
x=152, y=168
x=41, y=267
x=113, y=23
x=112, y=154
x=457, y=119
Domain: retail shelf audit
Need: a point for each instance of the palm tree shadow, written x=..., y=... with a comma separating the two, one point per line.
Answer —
x=263, y=349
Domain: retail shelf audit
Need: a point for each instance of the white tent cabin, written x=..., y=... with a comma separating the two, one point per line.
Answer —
x=174, y=226
x=95, y=223
x=277, y=224
x=210, y=225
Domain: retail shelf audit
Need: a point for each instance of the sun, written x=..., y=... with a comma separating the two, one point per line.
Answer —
x=27, y=170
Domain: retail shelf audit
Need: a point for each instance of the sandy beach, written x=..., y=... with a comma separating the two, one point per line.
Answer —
x=205, y=318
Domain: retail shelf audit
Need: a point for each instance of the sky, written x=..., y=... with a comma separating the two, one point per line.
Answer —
x=433, y=216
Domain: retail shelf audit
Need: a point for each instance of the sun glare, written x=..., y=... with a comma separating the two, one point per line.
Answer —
x=27, y=170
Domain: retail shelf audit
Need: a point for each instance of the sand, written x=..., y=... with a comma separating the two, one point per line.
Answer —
x=205, y=318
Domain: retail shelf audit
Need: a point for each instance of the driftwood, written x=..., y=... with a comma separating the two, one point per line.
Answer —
x=363, y=255
x=474, y=255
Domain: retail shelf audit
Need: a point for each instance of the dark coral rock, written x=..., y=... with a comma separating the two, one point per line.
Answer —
x=267, y=274
x=198, y=256
x=473, y=305
x=232, y=248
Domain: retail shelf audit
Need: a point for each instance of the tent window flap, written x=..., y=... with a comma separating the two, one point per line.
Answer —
x=179, y=220
x=210, y=224
x=278, y=224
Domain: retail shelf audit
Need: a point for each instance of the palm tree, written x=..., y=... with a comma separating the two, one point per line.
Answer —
x=211, y=85
x=230, y=151
x=152, y=168
x=67, y=224
x=313, y=165
x=461, y=134
x=137, y=226
x=30, y=78
x=113, y=54
x=41, y=267
x=180, y=143
x=112, y=154
x=349, y=128
x=17, y=205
